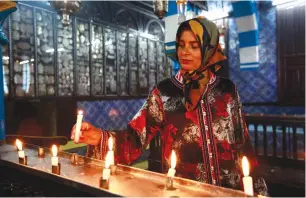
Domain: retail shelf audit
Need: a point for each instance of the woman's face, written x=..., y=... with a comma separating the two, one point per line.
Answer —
x=189, y=52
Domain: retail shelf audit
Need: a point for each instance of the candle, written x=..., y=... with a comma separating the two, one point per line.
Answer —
x=54, y=159
x=21, y=155
x=110, y=151
x=20, y=151
x=171, y=171
x=78, y=126
x=106, y=170
x=104, y=180
x=247, y=180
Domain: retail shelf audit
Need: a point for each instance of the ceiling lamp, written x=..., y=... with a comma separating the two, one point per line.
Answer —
x=66, y=8
x=160, y=8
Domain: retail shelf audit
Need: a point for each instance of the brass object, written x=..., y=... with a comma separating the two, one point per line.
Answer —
x=66, y=8
x=104, y=183
x=23, y=161
x=41, y=152
x=160, y=8
x=56, y=169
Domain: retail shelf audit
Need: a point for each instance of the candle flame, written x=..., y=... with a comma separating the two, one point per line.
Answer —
x=245, y=166
x=80, y=112
x=173, y=160
x=19, y=144
x=54, y=151
x=107, y=160
x=110, y=143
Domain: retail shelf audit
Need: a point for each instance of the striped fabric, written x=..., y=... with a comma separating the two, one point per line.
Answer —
x=246, y=17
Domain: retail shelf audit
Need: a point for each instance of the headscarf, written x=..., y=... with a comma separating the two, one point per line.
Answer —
x=195, y=82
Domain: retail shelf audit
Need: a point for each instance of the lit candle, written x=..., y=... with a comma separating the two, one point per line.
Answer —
x=56, y=167
x=106, y=170
x=20, y=151
x=247, y=180
x=22, y=158
x=171, y=171
x=54, y=159
x=104, y=180
x=110, y=151
x=78, y=126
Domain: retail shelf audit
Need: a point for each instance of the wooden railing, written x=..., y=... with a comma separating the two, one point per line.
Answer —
x=278, y=136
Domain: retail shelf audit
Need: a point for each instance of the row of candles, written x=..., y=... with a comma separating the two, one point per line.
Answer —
x=110, y=168
x=110, y=165
x=54, y=159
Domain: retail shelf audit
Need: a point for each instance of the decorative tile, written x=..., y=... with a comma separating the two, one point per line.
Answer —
x=259, y=85
x=110, y=114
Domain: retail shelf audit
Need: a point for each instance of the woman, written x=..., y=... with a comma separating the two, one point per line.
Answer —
x=196, y=113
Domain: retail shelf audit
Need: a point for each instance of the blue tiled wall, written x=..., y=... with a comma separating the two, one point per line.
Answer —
x=261, y=85
x=110, y=114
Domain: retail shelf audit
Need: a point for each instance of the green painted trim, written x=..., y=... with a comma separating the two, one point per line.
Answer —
x=71, y=145
x=141, y=165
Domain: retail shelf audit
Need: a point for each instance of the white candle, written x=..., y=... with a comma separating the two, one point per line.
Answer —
x=171, y=171
x=247, y=180
x=106, y=170
x=111, y=152
x=78, y=126
x=20, y=151
x=21, y=154
x=54, y=159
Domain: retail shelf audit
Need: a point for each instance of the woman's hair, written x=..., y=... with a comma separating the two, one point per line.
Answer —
x=181, y=29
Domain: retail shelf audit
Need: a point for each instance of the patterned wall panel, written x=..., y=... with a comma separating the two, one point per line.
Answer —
x=110, y=114
x=259, y=85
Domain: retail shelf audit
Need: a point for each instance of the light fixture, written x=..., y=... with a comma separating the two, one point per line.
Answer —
x=181, y=10
x=66, y=8
x=160, y=8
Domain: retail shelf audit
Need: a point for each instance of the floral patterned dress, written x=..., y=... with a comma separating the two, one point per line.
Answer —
x=209, y=142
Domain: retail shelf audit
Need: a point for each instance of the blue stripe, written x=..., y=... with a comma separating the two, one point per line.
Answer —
x=249, y=68
x=248, y=39
x=172, y=8
x=172, y=43
x=172, y=51
x=243, y=8
x=253, y=63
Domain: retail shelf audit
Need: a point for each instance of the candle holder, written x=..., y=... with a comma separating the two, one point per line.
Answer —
x=74, y=159
x=113, y=169
x=23, y=160
x=56, y=169
x=104, y=183
x=169, y=183
x=41, y=152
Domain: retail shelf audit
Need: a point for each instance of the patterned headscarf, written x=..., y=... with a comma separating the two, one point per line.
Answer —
x=195, y=81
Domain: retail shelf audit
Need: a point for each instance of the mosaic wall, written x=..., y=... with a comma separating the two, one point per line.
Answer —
x=260, y=85
x=110, y=114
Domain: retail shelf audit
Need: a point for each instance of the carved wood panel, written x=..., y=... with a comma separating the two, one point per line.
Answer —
x=291, y=54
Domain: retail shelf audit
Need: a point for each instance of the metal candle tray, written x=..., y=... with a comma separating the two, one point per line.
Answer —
x=127, y=181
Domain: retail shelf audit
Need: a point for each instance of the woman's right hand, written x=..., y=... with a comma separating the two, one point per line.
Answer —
x=88, y=134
